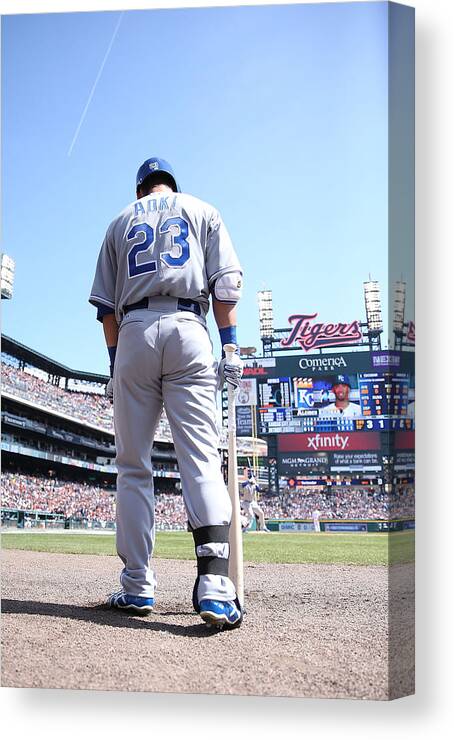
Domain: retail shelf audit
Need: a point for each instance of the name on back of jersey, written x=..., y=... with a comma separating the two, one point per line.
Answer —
x=153, y=205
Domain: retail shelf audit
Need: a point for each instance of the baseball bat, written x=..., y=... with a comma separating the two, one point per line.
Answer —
x=235, y=533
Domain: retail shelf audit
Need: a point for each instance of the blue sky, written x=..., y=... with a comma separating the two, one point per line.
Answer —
x=275, y=114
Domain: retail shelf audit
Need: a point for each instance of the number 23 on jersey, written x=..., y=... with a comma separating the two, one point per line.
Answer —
x=147, y=243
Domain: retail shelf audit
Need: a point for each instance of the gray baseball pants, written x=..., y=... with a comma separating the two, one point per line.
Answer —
x=165, y=358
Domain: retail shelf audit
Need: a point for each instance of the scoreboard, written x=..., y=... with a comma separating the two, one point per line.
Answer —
x=323, y=415
x=383, y=394
x=377, y=402
x=275, y=393
x=283, y=421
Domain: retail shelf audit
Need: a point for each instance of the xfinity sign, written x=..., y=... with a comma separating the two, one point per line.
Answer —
x=327, y=441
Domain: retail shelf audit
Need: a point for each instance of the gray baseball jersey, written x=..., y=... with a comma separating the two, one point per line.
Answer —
x=164, y=248
x=175, y=245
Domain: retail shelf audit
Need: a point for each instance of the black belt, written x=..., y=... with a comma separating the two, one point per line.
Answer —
x=183, y=304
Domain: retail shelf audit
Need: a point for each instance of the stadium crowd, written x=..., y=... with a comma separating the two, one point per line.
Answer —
x=56, y=496
x=97, y=504
x=170, y=511
x=87, y=407
x=80, y=500
x=344, y=503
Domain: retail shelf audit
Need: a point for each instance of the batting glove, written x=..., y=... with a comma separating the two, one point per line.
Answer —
x=230, y=371
x=109, y=391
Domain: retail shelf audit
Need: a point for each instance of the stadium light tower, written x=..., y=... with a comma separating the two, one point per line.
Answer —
x=265, y=299
x=7, y=276
x=399, y=313
x=373, y=313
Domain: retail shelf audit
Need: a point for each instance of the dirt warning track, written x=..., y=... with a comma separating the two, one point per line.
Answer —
x=310, y=630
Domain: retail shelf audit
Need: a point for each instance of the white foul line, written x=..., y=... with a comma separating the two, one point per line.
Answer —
x=95, y=83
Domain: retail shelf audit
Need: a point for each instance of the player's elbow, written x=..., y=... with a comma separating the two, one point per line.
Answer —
x=228, y=288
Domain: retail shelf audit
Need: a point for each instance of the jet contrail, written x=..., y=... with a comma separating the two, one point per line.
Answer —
x=95, y=83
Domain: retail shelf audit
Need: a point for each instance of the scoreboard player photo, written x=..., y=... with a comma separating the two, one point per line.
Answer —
x=357, y=401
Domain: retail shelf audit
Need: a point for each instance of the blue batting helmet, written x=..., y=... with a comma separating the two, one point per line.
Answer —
x=155, y=164
x=342, y=380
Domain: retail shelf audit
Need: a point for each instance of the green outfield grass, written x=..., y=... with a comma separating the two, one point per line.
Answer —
x=353, y=549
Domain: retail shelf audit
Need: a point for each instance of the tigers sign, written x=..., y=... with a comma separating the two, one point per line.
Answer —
x=313, y=335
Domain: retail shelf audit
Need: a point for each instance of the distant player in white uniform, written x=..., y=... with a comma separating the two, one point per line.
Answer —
x=316, y=520
x=162, y=259
x=250, y=505
x=342, y=405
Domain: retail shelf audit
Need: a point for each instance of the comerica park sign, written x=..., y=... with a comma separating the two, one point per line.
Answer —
x=312, y=335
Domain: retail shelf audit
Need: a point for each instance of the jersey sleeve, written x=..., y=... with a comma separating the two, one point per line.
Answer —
x=220, y=255
x=103, y=289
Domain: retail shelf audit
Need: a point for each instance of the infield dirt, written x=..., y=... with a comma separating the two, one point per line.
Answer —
x=309, y=631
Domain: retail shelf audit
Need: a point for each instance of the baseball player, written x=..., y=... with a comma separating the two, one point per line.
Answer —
x=342, y=405
x=250, y=504
x=162, y=259
x=316, y=520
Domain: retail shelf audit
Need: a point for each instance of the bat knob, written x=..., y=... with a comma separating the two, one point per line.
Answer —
x=229, y=351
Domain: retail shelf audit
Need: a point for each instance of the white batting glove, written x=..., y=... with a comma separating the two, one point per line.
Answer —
x=230, y=372
x=109, y=391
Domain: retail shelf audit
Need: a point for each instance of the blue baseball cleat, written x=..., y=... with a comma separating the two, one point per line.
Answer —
x=138, y=604
x=221, y=614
